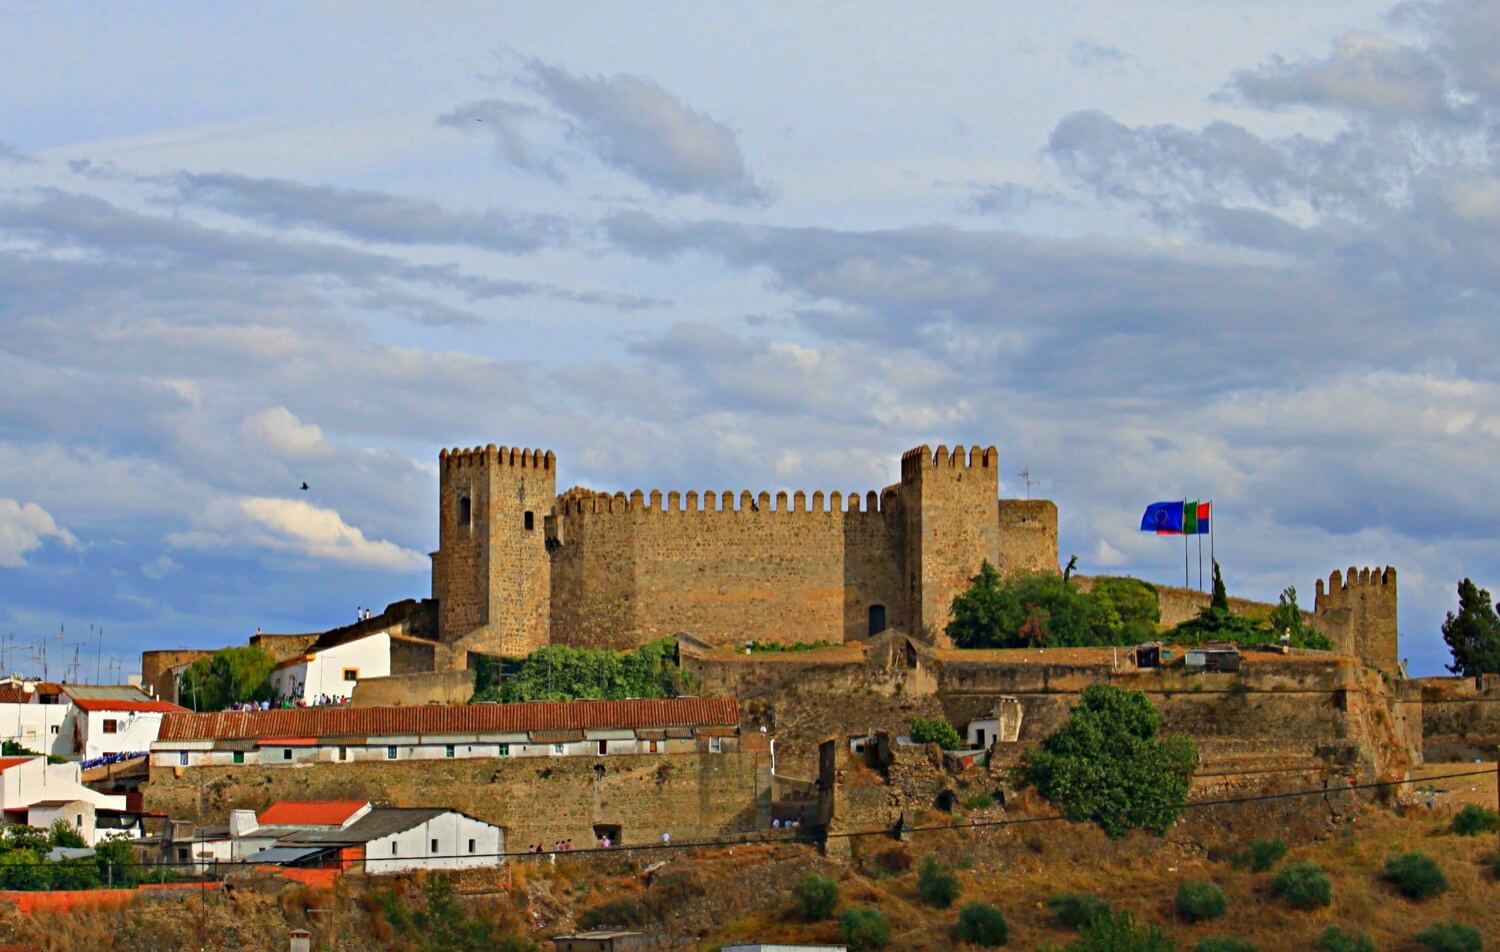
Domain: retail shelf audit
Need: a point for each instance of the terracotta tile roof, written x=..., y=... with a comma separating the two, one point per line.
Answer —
x=9, y=695
x=105, y=704
x=310, y=812
x=450, y=719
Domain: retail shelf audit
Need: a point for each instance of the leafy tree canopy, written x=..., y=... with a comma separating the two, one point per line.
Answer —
x=561, y=673
x=1106, y=764
x=227, y=676
x=1473, y=633
x=1044, y=608
x=1218, y=623
x=935, y=731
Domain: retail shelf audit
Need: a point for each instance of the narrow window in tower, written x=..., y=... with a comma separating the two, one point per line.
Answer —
x=877, y=619
x=465, y=512
x=530, y=522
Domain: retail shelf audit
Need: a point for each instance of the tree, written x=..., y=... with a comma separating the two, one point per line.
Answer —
x=936, y=884
x=982, y=924
x=982, y=616
x=864, y=928
x=117, y=863
x=1473, y=634
x=1220, y=598
x=225, y=677
x=562, y=673
x=63, y=834
x=935, y=731
x=1043, y=608
x=1106, y=764
x=816, y=896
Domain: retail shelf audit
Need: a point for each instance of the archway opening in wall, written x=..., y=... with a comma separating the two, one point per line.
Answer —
x=530, y=522
x=877, y=619
x=945, y=801
x=465, y=512
x=611, y=830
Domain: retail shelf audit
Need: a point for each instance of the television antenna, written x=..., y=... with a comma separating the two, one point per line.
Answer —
x=1025, y=475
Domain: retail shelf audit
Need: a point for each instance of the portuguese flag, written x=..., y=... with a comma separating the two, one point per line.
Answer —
x=1177, y=517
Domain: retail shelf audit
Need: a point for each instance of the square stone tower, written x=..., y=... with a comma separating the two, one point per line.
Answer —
x=491, y=574
x=1357, y=611
x=948, y=501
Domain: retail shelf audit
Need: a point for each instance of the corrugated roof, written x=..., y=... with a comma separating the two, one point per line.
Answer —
x=101, y=692
x=381, y=821
x=278, y=855
x=310, y=812
x=449, y=719
x=108, y=704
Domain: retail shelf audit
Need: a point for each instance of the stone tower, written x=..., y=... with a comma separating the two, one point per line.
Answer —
x=491, y=574
x=1358, y=613
x=948, y=502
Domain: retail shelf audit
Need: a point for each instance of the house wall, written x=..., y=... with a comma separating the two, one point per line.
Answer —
x=413, y=849
x=323, y=671
x=37, y=727
x=134, y=731
x=36, y=780
x=78, y=814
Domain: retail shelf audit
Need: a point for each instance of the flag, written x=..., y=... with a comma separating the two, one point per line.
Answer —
x=1204, y=511
x=1177, y=518
x=1190, y=517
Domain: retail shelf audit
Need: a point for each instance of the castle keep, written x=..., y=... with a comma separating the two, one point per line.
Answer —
x=520, y=566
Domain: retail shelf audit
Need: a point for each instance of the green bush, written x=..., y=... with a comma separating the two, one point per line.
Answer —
x=1077, y=909
x=1106, y=764
x=62, y=833
x=1415, y=875
x=864, y=927
x=1303, y=885
x=1261, y=854
x=1225, y=944
x=1045, y=608
x=936, y=884
x=1335, y=939
x=23, y=869
x=1473, y=820
x=1199, y=901
x=979, y=800
x=982, y=924
x=1119, y=932
x=891, y=862
x=563, y=673
x=1451, y=937
x=935, y=731
x=816, y=896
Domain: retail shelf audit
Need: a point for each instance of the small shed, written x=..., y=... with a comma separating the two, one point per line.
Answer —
x=1212, y=659
x=603, y=940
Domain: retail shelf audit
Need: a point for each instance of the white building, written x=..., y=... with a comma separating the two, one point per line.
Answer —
x=349, y=834
x=36, y=793
x=33, y=724
x=1003, y=725
x=294, y=737
x=103, y=726
x=333, y=671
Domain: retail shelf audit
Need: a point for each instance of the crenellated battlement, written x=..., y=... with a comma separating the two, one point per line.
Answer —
x=511, y=456
x=923, y=457
x=586, y=502
x=1340, y=585
x=1357, y=610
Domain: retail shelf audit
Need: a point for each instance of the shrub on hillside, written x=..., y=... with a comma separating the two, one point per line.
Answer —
x=1225, y=944
x=1473, y=820
x=1106, y=764
x=816, y=896
x=616, y=912
x=1262, y=853
x=891, y=862
x=1199, y=901
x=1044, y=608
x=864, y=928
x=982, y=924
x=1303, y=885
x=1415, y=875
x=979, y=800
x=1077, y=909
x=1119, y=932
x=1335, y=939
x=1451, y=937
x=935, y=731
x=936, y=884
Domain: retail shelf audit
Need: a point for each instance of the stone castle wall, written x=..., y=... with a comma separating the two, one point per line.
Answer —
x=1358, y=612
x=536, y=799
x=156, y=669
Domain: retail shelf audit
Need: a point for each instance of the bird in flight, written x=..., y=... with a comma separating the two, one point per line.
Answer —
x=304, y=486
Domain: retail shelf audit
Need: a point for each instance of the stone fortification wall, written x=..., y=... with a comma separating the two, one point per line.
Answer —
x=630, y=569
x=1460, y=717
x=1028, y=535
x=439, y=687
x=1358, y=611
x=951, y=527
x=157, y=669
x=282, y=647
x=537, y=800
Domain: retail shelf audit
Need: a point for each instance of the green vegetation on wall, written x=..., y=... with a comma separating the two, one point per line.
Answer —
x=561, y=673
x=1047, y=609
x=225, y=677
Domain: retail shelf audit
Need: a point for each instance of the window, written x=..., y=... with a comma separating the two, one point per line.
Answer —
x=465, y=512
x=239, y=756
x=877, y=619
x=54, y=728
x=530, y=522
x=286, y=753
x=448, y=751
x=603, y=747
x=182, y=758
x=351, y=674
x=393, y=849
x=715, y=745
x=558, y=750
x=182, y=854
x=651, y=747
x=434, y=849
x=78, y=821
x=343, y=753
x=390, y=753
x=504, y=750
x=472, y=846
x=111, y=726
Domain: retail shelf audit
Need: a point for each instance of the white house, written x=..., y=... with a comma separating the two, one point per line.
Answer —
x=104, y=725
x=332, y=671
x=351, y=833
x=35, y=792
x=1003, y=725
x=35, y=725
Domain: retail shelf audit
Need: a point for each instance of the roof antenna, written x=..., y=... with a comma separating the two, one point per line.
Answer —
x=1025, y=475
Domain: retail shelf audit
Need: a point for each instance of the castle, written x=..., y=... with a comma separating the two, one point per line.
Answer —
x=520, y=566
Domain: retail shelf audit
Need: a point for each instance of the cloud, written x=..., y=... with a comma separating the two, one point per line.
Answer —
x=366, y=215
x=1085, y=54
x=23, y=527
x=280, y=431
x=629, y=123
x=1364, y=74
x=9, y=153
x=289, y=525
x=160, y=567
x=1008, y=197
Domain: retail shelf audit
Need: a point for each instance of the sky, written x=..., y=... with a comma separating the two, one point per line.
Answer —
x=1247, y=253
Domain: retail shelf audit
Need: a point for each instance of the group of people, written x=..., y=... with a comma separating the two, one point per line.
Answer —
x=280, y=702
x=560, y=846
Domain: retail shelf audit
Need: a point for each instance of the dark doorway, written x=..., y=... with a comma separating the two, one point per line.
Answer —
x=610, y=830
x=530, y=522
x=979, y=737
x=877, y=619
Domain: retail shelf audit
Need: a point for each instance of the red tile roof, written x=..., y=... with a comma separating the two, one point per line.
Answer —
x=310, y=812
x=8, y=762
x=106, y=704
x=11, y=695
x=450, y=719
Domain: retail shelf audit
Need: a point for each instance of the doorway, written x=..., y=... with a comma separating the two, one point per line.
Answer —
x=877, y=619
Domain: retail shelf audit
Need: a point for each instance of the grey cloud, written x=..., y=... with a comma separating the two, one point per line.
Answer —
x=1009, y=197
x=1363, y=74
x=367, y=215
x=1085, y=53
x=515, y=126
x=9, y=153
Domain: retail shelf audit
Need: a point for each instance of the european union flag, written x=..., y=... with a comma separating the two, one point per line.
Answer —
x=1163, y=518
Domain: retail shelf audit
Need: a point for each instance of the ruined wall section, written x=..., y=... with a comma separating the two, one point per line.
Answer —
x=629, y=569
x=1358, y=613
x=491, y=573
x=951, y=528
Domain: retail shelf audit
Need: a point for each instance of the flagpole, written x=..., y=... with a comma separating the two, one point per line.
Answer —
x=1187, y=579
x=1200, y=556
x=1213, y=519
